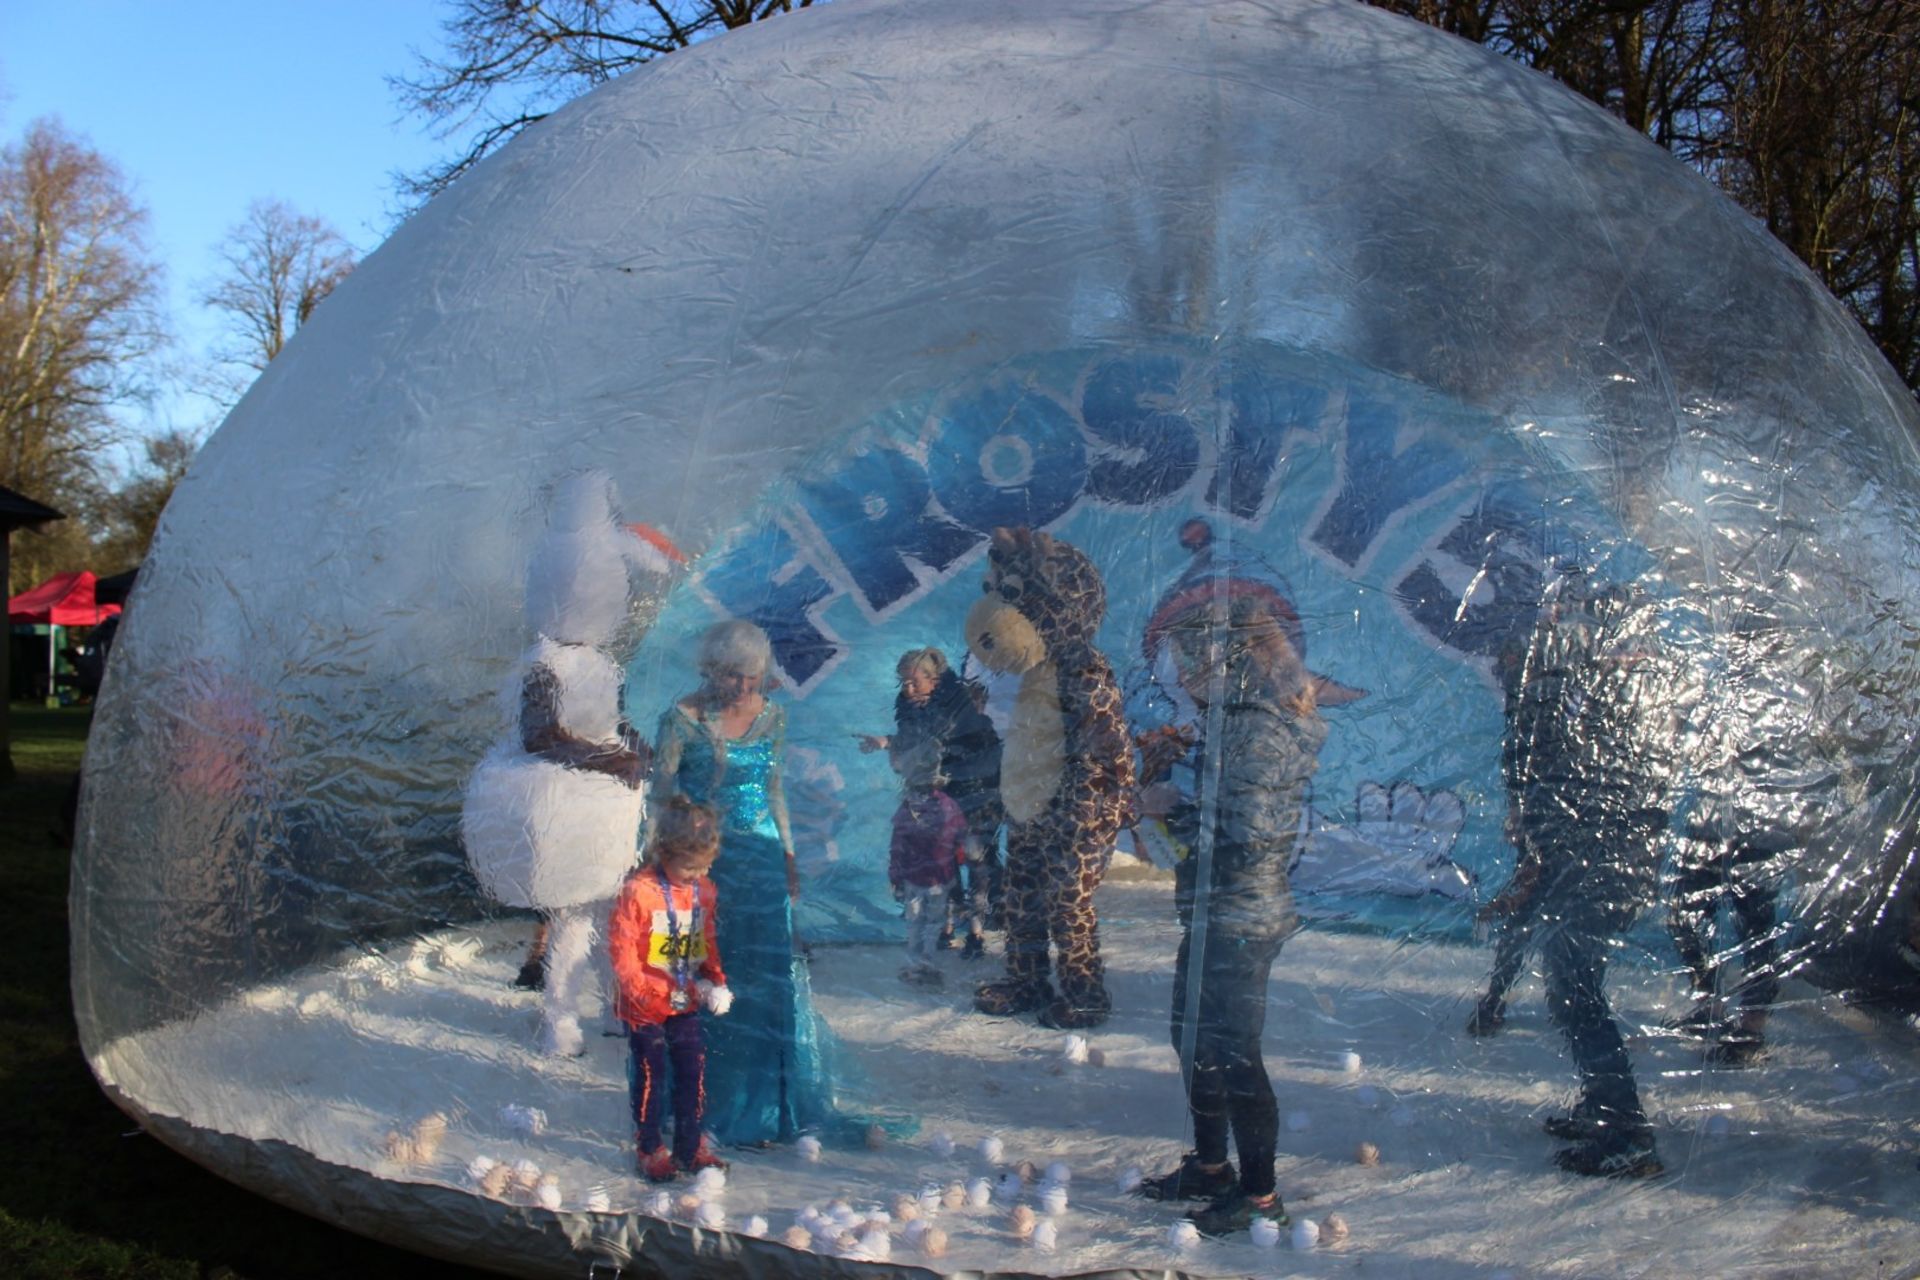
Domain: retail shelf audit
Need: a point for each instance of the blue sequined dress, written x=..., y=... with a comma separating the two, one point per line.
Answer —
x=767, y=1079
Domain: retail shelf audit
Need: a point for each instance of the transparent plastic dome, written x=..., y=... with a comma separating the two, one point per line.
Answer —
x=1290, y=316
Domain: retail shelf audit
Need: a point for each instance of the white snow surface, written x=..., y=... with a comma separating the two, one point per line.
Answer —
x=1797, y=1167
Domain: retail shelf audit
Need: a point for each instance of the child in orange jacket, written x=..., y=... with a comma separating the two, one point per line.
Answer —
x=666, y=964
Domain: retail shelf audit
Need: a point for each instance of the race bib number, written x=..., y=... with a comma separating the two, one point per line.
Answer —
x=664, y=949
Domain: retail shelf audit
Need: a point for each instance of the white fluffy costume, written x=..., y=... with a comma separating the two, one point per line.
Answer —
x=553, y=811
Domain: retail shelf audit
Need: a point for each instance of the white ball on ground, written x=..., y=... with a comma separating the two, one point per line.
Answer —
x=907, y=1208
x=710, y=1181
x=598, y=1201
x=992, y=1150
x=1020, y=1222
x=979, y=1193
x=797, y=1238
x=1059, y=1172
x=548, y=1193
x=1075, y=1049
x=1027, y=1170
x=956, y=1195
x=528, y=1120
x=880, y=1216
x=1054, y=1199
x=480, y=1166
x=526, y=1175
x=710, y=1216
x=1350, y=1063
x=1046, y=1236
x=808, y=1149
x=687, y=1207
x=934, y=1243
x=1333, y=1229
x=876, y=1243
x=1299, y=1121
x=498, y=1181
x=1367, y=1154
x=1010, y=1186
x=1129, y=1180
x=914, y=1230
x=755, y=1226
x=1306, y=1234
x=660, y=1204
x=842, y=1214
x=1183, y=1235
x=942, y=1144
x=1265, y=1232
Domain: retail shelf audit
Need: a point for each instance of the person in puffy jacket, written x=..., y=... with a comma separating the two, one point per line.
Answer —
x=666, y=967
x=1262, y=734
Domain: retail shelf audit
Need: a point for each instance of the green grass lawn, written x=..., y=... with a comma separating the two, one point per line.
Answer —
x=83, y=1193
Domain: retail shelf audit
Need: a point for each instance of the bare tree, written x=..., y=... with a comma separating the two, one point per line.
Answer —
x=129, y=514
x=509, y=62
x=279, y=265
x=79, y=321
x=1805, y=111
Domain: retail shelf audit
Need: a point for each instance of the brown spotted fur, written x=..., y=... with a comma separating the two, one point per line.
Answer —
x=1056, y=861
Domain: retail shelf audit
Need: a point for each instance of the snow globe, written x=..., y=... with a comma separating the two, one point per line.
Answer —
x=1180, y=341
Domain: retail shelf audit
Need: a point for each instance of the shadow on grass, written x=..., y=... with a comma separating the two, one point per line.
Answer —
x=84, y=1192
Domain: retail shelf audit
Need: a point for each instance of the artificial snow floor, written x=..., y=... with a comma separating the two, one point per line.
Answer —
x=1803, y=1165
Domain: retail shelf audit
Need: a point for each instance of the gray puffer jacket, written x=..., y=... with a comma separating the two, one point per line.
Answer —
x=1265, y=755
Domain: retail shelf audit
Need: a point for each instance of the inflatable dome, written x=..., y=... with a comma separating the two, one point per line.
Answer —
x=1165, y=542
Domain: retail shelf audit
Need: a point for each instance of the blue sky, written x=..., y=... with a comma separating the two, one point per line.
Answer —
x=210, y=105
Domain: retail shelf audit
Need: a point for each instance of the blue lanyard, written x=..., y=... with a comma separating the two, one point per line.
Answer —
x=680, y=945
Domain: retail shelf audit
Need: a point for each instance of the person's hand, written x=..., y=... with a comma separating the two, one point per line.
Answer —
x=1158, y=800
x=793, y=878
x=717, y=999
x=871, y=742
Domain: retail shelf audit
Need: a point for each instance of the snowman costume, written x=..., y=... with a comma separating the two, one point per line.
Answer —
x=552, y=813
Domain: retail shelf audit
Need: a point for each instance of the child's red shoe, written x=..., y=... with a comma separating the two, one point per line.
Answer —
x=704, y=1157
x=657, y=1165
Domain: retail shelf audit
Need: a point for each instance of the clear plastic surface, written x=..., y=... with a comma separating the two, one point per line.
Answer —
x=1401, y=521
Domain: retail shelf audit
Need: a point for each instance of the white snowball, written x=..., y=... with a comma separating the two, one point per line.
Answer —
x=710, y=1181
x=755, y=1226
x=1129, y=1180
x=480, y=1166
x=979, y=1193
x=1010, y=1186
x=710, y=1216
x=797, y=1238
x=548, y=1193
x=1183, y=1235
x=1306, y=1234
x=598, y=1201
x=1265, y=1232
x=660, y=1204
x=912, y=1232
x=1350, y=1063
x=929, y=1201
x=1059, y=1172
x=521, y=1119
x=1046, y=1237
x=808, y=1149
x=1075, y=1049
x=1054, y=1199
x=942, y=1144
x=992, y=1150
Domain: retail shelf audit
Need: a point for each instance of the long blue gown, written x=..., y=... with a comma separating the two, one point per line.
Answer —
x=767, y=1079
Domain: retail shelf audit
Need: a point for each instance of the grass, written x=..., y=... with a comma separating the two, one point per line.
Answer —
x=83, y=1193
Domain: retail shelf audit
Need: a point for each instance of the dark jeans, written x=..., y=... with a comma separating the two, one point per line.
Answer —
x=1573, y=955
x=1227, y=1085
x=677, y=1040
x=1712, y=872
x=1512, y=936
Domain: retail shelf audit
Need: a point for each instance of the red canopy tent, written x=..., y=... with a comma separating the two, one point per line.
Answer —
x=64, y=600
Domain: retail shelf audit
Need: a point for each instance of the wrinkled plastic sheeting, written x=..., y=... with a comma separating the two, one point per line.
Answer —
x=1413, y=331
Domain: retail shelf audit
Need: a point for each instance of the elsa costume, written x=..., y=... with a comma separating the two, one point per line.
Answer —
x=767, y=1078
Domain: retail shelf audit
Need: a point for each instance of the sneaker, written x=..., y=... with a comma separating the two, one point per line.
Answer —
x=1010, y=998
x=975, y=948
x=1616, y=1157
x=1581, y=1124
x=1192, y=1181
x=1488, y=1017
x=532, y=975
x=1066, y=1015
x=946, y=939
x=704, y=1157
x=1234, y=1212
x=657, y=1165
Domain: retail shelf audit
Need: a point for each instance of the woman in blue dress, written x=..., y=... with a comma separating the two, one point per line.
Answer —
x=721, y=747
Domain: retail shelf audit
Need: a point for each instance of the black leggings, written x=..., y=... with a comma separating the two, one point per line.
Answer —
x=1227, y=1085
